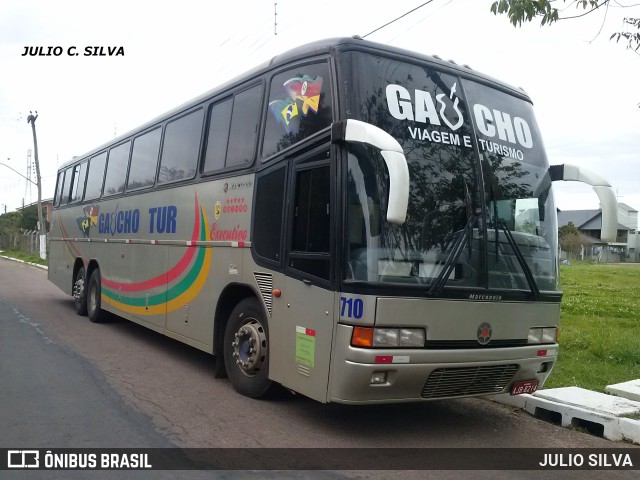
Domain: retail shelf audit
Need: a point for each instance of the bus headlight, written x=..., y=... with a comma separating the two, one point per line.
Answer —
x=385, y=337
x=411, y=337
x=388, y=337
x=543, y=335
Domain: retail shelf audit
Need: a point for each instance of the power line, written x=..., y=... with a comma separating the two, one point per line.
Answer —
x=395, y=20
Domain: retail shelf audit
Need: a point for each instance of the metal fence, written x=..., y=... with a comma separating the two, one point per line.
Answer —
x=28, y=241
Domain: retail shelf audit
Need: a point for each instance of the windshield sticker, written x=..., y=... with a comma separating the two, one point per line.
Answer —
x=305, y=346
x=443, y=113
x=301, y=90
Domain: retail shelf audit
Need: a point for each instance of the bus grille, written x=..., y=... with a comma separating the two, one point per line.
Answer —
x=265, y=285
x=456, y=382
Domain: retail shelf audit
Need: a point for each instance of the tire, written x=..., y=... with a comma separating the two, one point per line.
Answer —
x=94, y=310
x=246, y=349
x=80, y=292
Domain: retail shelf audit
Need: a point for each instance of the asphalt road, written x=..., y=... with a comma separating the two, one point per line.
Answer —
x=68, y=383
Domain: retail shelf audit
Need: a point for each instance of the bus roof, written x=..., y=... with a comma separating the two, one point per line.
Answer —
x=320, y=47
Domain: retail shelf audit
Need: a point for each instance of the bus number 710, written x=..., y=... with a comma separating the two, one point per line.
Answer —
x=351, y=307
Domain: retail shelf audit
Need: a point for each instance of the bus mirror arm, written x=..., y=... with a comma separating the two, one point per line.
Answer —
x=355, y=131
x=608, y=202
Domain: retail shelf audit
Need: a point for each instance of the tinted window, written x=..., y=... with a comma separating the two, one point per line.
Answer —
x=144, y=160
x=180, y=148
x=95, y=176
x=267, y=228
x=66, y=187
x=219, y=121
x=116, y=169
x=311, y=215
x=77, y=187
x=244, y=127
x=299, y=106
x=59, y=188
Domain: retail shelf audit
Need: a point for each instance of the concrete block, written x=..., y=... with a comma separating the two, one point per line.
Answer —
x=616, y=418
x=593, y=401
x=630, y=390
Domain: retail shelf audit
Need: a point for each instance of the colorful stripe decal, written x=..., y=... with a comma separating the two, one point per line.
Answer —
x=181, y=293
x=70, y=247
x=169, y=275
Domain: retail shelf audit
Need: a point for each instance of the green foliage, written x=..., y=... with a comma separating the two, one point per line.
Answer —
x=632, y=38
x=520, y=11
x=525, y=10
x=10, y=222
x=29, y=220
x=599, y=327
x=568, y=229
x=571, y=239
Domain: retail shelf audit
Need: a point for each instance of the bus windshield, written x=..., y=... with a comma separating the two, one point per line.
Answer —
x=481, y=212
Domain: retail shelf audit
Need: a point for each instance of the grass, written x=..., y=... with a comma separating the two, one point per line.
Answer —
x=599, y=326
x=27, y=257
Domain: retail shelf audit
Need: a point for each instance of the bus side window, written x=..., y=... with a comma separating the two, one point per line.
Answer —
x=267, y=226
x=233, y=130
x=144, y=160
x=77, y=186
x=218, y=137
x=181, y=147
x=244, y=127
x=299, y=106
x=58, y=196
x=95, y=177
x=66, y=187
x=117, y=169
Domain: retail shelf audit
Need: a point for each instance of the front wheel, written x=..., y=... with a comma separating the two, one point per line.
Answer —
x=96, y=314
x=246, y=349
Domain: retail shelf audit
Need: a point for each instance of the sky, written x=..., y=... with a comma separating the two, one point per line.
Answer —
x=585, y=87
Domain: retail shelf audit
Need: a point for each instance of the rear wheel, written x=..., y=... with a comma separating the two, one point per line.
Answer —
x=80, y=292
x=96, y=314
x=246, y=349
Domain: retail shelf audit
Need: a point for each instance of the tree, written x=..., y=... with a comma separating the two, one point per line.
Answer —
x=10, y=223
x=520, y=11
x=572, y=240
x=29, y=218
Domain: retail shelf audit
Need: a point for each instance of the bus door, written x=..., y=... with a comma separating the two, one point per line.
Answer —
x=304, y=314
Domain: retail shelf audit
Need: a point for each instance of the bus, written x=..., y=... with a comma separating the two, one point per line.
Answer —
x=355, y=222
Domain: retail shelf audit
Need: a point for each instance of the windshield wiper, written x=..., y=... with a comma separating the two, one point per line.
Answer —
x=520, y=257
x=452, y=259
x=456, y=250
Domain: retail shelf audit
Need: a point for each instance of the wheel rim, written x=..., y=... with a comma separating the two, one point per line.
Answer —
x=78, y=288
x=250, y=347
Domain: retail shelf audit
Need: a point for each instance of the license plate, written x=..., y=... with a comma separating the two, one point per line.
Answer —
x=524, y=386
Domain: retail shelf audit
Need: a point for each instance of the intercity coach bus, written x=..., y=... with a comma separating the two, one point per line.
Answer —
x=355, y=222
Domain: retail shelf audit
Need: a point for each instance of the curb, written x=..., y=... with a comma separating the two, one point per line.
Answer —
x=44, y=267
x=613, y=417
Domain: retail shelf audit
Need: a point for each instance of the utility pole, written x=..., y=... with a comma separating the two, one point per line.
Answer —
x=41, y=226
